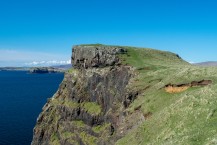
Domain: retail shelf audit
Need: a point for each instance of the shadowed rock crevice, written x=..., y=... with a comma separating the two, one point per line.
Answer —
x=130, y=98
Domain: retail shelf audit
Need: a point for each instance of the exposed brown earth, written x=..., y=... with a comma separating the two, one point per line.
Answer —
x=173, y=88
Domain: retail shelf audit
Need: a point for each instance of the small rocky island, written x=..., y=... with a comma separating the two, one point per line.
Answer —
x=42, y=70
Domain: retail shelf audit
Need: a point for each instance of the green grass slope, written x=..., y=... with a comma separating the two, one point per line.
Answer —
x=185, y=118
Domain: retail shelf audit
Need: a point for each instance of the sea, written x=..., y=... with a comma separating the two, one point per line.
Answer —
x=22, y=96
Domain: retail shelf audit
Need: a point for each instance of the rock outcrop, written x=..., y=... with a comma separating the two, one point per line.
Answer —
x=92, y=56
x=42, y=70
x=89, y=106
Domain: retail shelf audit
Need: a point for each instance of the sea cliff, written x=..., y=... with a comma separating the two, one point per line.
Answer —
x=127, y=95
x=89, y=106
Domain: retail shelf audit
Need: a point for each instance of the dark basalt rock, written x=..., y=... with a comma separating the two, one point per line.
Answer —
x=95, y=56
x=97, y=80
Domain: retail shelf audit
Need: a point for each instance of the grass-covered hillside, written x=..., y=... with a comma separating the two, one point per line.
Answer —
x=130, y=96
x=184, y=117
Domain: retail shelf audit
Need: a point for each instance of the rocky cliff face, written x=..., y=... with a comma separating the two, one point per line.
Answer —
x=89, y=106
x=130, y=96
x=90, y=56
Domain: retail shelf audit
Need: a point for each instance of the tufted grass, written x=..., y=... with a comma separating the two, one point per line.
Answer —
x=187, y=117
x=88, y=139
x=100, y=128
x=67, y=135
x=78, y=123
x=91, y=107
x=54, y=139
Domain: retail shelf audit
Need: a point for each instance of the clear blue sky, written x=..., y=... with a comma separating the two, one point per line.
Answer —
x=45, y=30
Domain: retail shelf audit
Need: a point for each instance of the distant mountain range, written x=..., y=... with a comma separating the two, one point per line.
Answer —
x=207, y=63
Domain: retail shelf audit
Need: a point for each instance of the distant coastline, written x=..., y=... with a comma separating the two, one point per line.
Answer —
x=48, y=69
x=14, y=68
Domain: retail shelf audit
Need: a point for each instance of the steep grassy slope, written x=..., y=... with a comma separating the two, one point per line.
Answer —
x=187, y=117
x=130, y=96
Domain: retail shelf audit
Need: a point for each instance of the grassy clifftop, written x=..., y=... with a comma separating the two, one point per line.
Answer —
x=130, y=96
x=182, y=117
x=144, y=57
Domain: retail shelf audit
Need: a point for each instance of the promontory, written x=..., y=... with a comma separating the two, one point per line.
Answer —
x=130, y=96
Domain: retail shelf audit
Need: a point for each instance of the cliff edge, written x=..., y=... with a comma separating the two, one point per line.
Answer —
x=126, y=95
x=88, y=107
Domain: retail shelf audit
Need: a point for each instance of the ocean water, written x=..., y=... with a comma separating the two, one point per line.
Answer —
x=22, y=97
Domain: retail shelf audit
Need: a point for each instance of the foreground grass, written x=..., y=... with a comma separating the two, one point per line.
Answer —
x=187, y=117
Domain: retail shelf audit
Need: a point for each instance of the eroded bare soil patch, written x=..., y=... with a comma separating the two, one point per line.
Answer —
x=174, y=88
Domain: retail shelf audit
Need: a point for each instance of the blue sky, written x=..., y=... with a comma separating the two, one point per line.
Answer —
x=43, y=31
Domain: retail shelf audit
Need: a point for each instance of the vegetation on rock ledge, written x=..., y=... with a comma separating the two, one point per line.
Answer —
x=128, y=103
